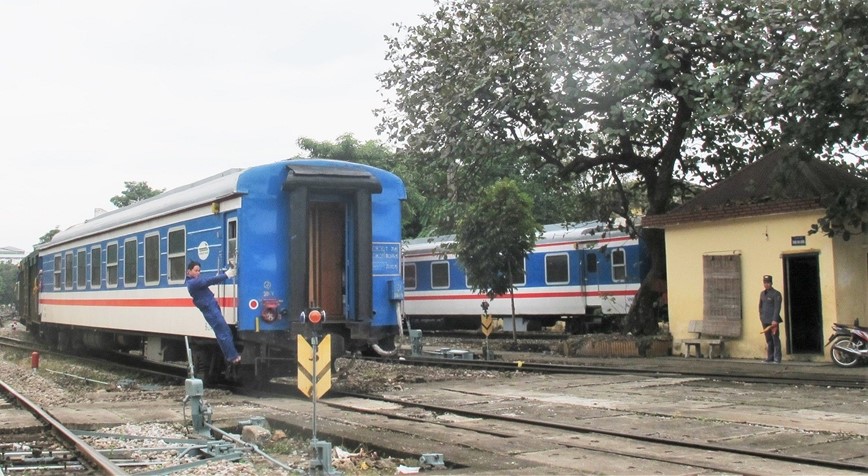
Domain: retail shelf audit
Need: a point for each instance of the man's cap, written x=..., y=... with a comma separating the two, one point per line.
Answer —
x=767, y=278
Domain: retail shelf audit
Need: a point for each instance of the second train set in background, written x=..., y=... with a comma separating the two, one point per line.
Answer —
x=304, y=233
x=584, y=275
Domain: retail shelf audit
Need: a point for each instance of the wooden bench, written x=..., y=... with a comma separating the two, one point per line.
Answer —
x=696, y=343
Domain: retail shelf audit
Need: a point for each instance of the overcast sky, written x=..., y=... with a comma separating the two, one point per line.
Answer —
x=97, y=93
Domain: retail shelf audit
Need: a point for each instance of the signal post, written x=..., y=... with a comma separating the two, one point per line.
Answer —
x=315, y=379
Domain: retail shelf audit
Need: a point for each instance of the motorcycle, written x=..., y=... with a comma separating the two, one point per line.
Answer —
x=849, y=344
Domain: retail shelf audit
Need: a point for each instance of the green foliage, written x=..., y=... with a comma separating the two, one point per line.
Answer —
x=134, y=192
x=49, y=235
x=646, y=95
x=494, y=236
x=846, y=214
x=8, y=277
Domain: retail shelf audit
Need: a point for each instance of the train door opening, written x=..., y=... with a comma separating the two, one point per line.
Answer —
x=803, y=304
x=327, y=257
x=589, y=281
x=588, y=274
x=330, y=243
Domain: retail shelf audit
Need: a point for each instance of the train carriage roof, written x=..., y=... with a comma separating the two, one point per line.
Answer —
x=578, y=232
x=184, y=197
x=205, y=191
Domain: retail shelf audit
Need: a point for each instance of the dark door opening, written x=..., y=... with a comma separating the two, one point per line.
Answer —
x=803, y=304
x=327, y=257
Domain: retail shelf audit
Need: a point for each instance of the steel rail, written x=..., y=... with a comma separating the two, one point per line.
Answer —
x=525, y=366
x=847, y=466
x=94, y=457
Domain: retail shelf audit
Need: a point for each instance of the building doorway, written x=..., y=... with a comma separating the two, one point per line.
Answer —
x=803, y=304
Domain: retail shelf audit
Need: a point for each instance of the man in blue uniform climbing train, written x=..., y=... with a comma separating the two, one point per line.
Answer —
x=203, y=298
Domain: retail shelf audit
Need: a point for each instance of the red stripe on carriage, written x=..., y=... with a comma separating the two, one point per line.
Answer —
x=626, y=292
x=165, y=302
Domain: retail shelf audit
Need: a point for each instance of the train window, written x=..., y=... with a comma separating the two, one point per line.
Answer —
x=231, y=240
x=152, y=259
x=67, y=268
x=440, y=274
x=557, y=268
x=81, y=269
x=57, y=271
x=519, y=276
x=590, y=263
x=177, y=254
x=95, y=267
x=619, y=265
x=131, y=262
x=111, y=265
x=410, y=276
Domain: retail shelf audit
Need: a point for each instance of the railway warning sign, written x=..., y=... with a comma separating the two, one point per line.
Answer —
x=314, y=366
x=487, y=324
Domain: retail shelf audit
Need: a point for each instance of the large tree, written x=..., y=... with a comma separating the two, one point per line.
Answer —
x=657, y=93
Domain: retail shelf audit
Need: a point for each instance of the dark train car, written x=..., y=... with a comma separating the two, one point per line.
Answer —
x=27, y=288
x=304, y=233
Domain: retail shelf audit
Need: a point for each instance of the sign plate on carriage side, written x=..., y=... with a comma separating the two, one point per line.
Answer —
x=487, y=324
x=306, y=378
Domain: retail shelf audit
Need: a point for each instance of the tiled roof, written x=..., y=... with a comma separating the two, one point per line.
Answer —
x=780, y=182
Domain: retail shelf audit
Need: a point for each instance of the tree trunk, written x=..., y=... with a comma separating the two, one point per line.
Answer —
x=643, y=315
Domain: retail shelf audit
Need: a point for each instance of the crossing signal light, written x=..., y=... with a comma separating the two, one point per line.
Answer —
x=316, y=316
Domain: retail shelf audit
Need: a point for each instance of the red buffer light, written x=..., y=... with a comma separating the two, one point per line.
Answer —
x=314, y=316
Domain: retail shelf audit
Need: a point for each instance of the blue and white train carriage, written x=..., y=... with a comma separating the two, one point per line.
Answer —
x=303, y=232
x=583, y=274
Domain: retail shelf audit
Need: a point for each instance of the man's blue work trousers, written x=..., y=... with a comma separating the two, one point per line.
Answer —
x=215, y=319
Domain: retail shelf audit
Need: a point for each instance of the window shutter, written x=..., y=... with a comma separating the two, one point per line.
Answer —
x=722, y=295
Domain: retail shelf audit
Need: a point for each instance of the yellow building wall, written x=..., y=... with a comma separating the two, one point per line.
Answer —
x=762, y=243
x=851, y=280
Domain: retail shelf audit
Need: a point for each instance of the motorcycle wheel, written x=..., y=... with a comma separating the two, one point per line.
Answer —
x=843, y=358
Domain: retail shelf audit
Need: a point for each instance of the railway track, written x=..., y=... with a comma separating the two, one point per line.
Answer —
x=721, y=451
x=40, y=443
x=848, y=380
x=589, y=438
x=176, y=372
x=594, y=437
x=60, y=449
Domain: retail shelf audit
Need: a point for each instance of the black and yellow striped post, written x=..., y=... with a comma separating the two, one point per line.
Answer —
x=314, y=366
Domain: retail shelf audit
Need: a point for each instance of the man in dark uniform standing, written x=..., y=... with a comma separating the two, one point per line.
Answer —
x=770, y=316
